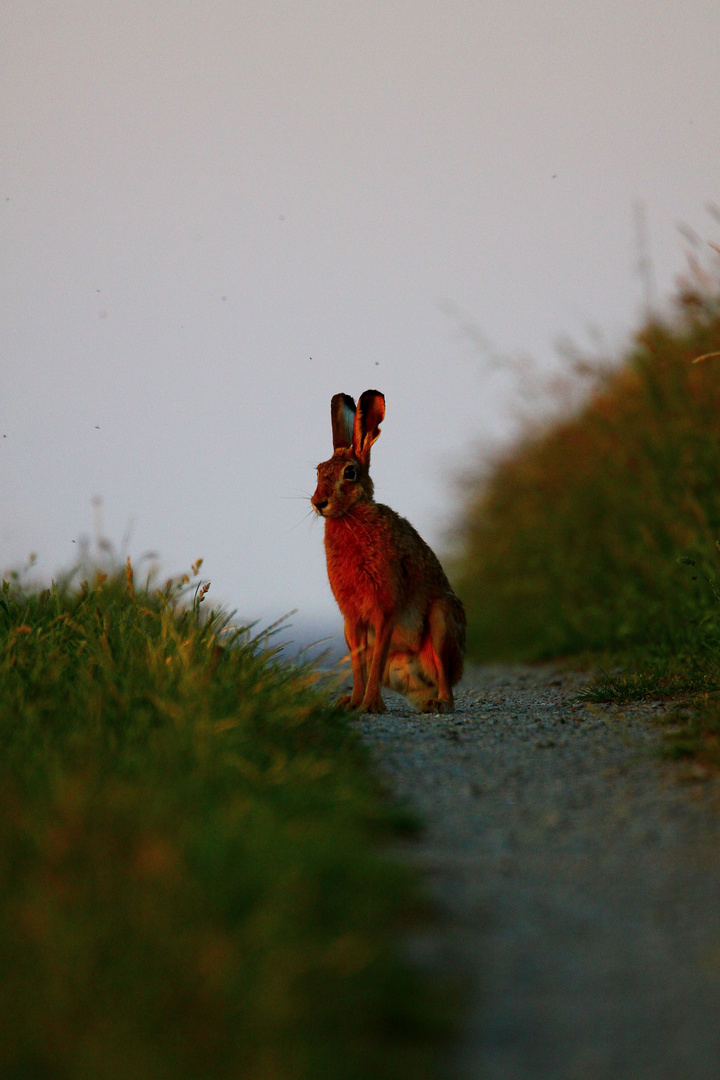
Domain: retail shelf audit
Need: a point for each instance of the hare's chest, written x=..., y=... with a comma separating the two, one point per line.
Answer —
x=359, y=569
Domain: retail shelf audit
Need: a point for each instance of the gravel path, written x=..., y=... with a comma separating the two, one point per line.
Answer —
x=577, y=877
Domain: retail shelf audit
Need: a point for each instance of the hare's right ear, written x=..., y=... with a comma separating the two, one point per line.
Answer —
x=342, y=414
x=369, y=415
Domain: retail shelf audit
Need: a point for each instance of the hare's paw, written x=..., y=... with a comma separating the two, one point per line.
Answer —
x=372, y=705
x=437, y=705
x=347, y=702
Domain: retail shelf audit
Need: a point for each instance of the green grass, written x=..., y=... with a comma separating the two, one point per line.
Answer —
x=693, y=732
x=652, y=679
x=192, y=881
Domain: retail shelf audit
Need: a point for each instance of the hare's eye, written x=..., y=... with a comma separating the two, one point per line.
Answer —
x=349, y=473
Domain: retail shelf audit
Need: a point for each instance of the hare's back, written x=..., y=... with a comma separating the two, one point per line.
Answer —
x=417, y=561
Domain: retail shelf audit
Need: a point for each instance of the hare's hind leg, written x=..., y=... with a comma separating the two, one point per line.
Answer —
x=407, y=674
x=415, y=676
x=435, y=657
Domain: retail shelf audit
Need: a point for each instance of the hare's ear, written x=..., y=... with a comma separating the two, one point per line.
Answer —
x=342, y=414
x=369, y=414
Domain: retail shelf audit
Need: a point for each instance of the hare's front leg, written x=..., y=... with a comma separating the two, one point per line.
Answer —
x=356, y=638
x=372, y=701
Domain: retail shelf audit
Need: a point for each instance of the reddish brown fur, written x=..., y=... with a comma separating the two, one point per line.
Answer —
x=404, y=625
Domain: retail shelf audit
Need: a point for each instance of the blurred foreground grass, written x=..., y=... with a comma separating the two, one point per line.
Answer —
x=190, y=876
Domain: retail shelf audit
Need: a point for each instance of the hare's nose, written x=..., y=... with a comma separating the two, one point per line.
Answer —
x=319, y=504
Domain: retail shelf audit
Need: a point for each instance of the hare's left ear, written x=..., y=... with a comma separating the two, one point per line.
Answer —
x=342, y=415
x=369, y=414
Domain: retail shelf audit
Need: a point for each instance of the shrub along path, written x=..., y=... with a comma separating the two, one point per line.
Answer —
x=578, y=878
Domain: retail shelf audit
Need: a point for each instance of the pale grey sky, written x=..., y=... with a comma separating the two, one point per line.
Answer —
x=217, y=214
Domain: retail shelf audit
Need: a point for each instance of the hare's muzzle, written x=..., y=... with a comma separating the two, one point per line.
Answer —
x=324, y=495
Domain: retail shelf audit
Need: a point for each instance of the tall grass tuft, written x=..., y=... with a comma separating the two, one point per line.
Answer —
x=599, y=533
x=190, y=878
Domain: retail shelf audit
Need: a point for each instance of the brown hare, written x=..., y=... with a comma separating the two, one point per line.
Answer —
x=404, y=626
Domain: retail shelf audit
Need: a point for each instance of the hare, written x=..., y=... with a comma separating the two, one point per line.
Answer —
x=404, y=626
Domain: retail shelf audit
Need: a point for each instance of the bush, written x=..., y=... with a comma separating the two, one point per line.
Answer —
x=599, y=533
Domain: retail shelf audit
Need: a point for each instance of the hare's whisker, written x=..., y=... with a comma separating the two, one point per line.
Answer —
x=309, y=515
